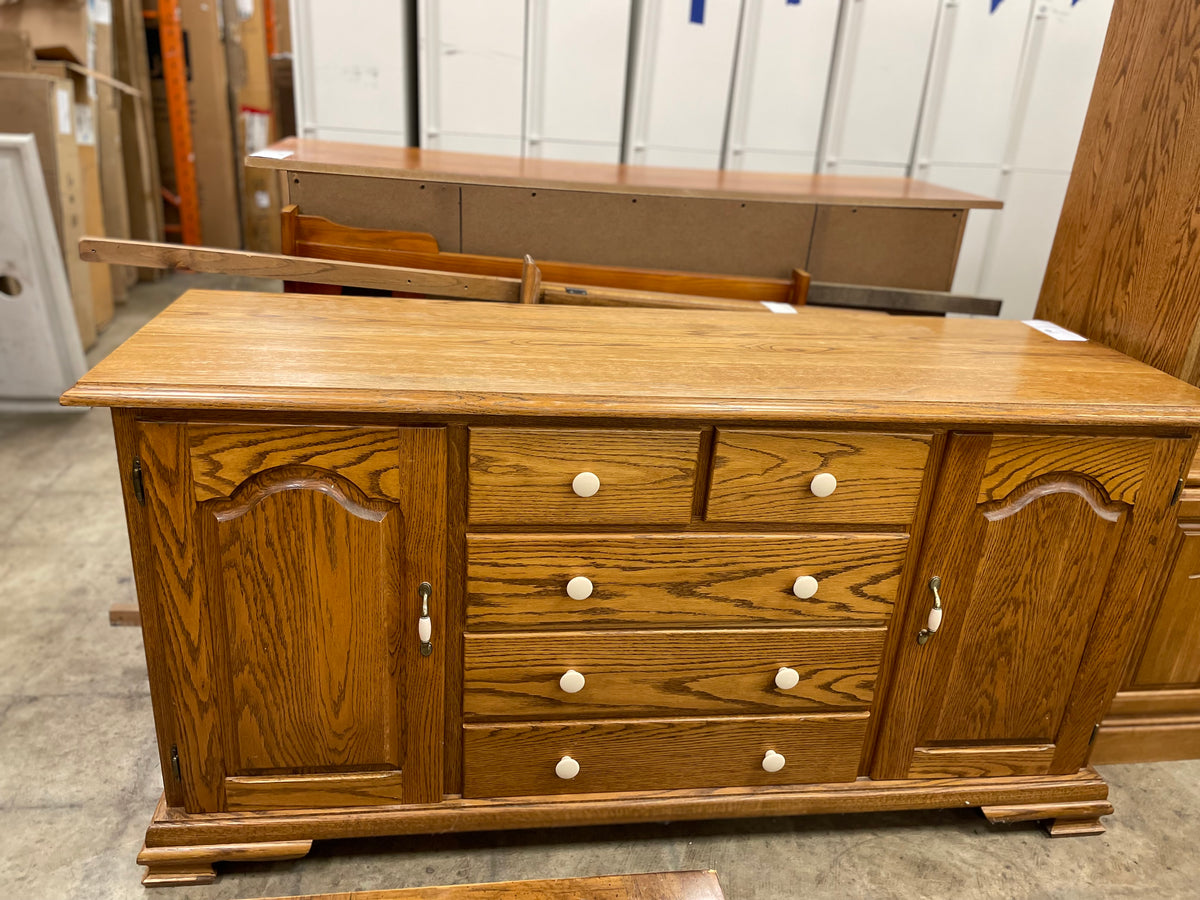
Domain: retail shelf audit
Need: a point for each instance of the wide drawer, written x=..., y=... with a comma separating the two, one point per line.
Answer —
x=673, y=580
x=768, y=476
x=659, y=754
x=528, y=476
x=655, y=673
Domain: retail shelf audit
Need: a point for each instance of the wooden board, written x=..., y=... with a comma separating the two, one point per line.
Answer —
x=380, y=203
x=246, y=351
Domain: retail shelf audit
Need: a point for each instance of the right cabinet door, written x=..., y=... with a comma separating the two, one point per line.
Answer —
x=1039, y=547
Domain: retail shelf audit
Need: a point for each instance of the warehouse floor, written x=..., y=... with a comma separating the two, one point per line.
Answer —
x=79, y=771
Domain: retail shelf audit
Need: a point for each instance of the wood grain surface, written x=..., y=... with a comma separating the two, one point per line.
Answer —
x=764, y=476
x=660, y=754
x=244, y=792
x=1171, y=654
x=655, y=673
x=520, y=476
x=981, y=761
x=241, y=351
x=1118, y=465
x=223, y=456
x=303, y=155
x=519, y=582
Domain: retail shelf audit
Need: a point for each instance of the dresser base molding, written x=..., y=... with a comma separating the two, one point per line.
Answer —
x=179, y=844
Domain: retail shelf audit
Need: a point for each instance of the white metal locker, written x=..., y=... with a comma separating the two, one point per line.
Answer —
x=681, y=83
x=878, y=83
x=780, y=83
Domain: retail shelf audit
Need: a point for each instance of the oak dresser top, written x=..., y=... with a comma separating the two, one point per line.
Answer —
x=294, y=352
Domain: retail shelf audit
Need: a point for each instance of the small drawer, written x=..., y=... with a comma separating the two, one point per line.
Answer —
x=660, y=754
x=660, y=673
x=581, y=476
x=543, y=582
x=829, y=477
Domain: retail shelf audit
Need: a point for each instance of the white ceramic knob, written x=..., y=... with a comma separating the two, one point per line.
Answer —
x=823, y=484
x=787, y=678
x=805, y=587
x=568, y=768
x=585, y=484
x=424, y=629
x=772, y=762
x=935, y=619
x=572, y=682
x=579, y=588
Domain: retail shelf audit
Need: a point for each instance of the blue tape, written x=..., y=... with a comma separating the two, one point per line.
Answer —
x=995, y=3
x=697, y=12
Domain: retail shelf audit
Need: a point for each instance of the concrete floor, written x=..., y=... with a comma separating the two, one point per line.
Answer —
x=79, y=772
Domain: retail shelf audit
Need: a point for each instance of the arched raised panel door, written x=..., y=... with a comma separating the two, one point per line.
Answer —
x=1037, y=544
x=289, y=563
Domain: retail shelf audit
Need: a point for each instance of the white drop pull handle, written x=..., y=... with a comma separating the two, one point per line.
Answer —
x=805, y=586
x=585, y=484
x=934, y=622
x=823, y=484
x=425, y=629
x=567, y=768
x=424, y=623
x=773, y=762
x=571, y=681
x=786, y=678
x=579, y=588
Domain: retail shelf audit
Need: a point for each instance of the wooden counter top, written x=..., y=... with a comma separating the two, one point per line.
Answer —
x=234, y=350
x=413, y=163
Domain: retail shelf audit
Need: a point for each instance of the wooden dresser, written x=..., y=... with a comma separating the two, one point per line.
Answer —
x=416, y=566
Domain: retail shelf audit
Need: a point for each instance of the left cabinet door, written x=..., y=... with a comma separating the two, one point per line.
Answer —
x=282, y=634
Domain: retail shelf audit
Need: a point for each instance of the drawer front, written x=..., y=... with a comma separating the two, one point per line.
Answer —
x=523, y=476
x=662, y=754
x=768, y=476
x=521, y=581
x=657, y=673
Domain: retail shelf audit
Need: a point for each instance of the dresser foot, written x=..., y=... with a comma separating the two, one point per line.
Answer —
x=194, y=865
x=1072, y=819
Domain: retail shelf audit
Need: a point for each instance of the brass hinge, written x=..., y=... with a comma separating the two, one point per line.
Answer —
x=175, y=762
x=139, y=489
x=1095, y=730
x=1178, y=491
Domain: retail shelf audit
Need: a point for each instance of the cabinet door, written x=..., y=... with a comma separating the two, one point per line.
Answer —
x=288, y=563
x=1041, y=545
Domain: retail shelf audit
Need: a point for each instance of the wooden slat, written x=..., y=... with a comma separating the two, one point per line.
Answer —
x=313, y=791
x=856, y=296
x=1147, y=740
x=976, y=762
x=1155, y=703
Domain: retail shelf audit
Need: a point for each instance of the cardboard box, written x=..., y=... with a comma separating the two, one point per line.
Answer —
x=212, y=126
x=44, y=106
x=139, y=151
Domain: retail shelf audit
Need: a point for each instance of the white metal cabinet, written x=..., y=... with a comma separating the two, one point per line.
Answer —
x=779, y=87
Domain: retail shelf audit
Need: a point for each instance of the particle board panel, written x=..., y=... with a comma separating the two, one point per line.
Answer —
x=395, y=204
x=905, y=248
x=701, y=235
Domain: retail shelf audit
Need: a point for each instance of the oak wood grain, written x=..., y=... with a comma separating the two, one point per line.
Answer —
x=1147, y=739
x=166, y=866
x=1171, y=654
x=373, y=355
x=981, y=761
x=764, y=476
x=247, y=792
x=522, y=476
x=1155, y=703
x=670, y=580
x=1117, y=464
x=304, y=155
x=223, y=456
x=656, y=673
x=659, y=754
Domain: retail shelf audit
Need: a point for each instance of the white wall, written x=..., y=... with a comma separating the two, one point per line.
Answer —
x=944, y=90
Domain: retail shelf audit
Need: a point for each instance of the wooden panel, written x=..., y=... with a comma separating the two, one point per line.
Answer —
x=223, y=456
x=905, y=248
x=303, y=567
x=1171, y=655
x=1147, y=740
x=313, y=791
x=654, y=886
x=519, y=581
x=631, y=673
x=522, y=476
x=1125, y=266
x=976, y=762
x=1156, y=703
x=1117, y=464
x=242, y=351
x=1193, y=474
x=381, y=203
x=764, y=476
x=662, y=754
x=731, y=236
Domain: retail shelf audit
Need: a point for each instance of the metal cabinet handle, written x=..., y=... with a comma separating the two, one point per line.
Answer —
x=935, y=614
x=425, y=624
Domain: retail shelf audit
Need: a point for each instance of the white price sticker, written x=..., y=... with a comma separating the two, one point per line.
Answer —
x=776, y=307
x=1051, y=330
